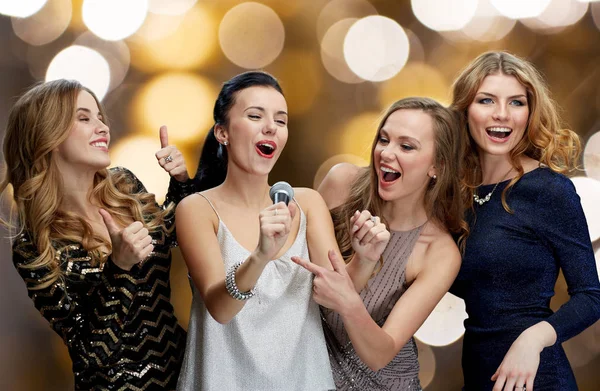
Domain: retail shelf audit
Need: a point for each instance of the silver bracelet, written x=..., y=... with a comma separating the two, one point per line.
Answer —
x=232, y=286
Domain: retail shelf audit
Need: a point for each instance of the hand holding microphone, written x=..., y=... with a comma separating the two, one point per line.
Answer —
x=276, y=221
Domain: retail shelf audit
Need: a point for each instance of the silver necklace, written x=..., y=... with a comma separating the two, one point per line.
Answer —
x=485, y=199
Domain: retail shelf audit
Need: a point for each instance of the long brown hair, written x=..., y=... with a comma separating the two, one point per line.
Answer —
x=38, y=123
x=544, y=139
x=442, y=196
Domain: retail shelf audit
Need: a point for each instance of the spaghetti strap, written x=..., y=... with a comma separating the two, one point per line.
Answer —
x=211, y=205
x=298, y=204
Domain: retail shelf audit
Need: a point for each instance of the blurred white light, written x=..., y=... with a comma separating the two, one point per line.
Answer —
x=84, y=65
x=519, y=9
x=332, y=52
x=337, y=10
x=591, y=157
x=445, y=324
x=488, y=24
x=596, y=14
x=251, y=35
x=559, y=13
x=46, y=25
x=116, y=53
x=137, y=154
x=376, y=48
x=447, y=15
x=170, y=7
x=589, y=192
x=21, y=8
x=114, y=19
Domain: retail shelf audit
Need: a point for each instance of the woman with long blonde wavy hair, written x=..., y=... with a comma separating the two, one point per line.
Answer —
x=92, y=246
x=525, y=225
x=412, y=186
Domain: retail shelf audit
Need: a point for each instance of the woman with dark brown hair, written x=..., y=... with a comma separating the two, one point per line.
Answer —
x=525, y=225
x=92, y=246
x=412, y=186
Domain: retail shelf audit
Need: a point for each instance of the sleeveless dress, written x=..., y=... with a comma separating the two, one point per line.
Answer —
x=380, y=296
x=274, y=343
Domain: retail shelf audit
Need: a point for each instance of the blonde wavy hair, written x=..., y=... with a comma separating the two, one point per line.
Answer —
x=38, y=123
x=544, y=139
x=442, y=196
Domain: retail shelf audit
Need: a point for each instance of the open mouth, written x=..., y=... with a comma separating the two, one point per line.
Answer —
x=100, y=144
x=388, y=175
x=498, y=132
x=266, y=148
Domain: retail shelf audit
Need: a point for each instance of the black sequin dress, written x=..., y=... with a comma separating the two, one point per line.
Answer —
x=119, y=326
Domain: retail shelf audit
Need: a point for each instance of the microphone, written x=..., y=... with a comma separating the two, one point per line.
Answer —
x=281, y=191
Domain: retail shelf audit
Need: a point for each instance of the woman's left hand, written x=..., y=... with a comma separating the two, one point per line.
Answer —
x=170, y=158
x=369, y=236
x=332, y=289
x=519, y=367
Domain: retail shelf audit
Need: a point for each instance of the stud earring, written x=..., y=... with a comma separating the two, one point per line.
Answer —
x=225, y=143
x=434, y=177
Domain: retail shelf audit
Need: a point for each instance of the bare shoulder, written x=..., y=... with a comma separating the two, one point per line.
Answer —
x=335, y=187
x=305, y=196
x=195, y=208
x=441, y=250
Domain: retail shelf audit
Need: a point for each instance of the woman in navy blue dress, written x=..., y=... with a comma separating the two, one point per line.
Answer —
x=526, y=224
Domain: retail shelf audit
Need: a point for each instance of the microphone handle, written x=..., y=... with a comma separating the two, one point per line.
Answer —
x=281, y=196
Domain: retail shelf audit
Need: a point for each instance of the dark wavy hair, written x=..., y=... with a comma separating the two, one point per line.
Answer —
x=212, y=167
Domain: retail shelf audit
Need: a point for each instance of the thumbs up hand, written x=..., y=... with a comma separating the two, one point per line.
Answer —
x=130, y=245
x=170, y=158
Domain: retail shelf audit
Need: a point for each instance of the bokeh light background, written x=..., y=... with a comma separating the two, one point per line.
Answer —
x=340, y=63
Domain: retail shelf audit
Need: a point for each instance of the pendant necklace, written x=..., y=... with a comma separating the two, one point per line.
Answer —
x=485, y=199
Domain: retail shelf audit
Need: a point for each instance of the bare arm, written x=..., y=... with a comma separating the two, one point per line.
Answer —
x=377, y=346
x=197, y=227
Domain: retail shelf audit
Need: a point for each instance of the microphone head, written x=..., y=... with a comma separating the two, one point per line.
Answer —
x=281, y=191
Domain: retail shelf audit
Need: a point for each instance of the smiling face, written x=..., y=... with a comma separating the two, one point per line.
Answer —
x=498, y=115
x=257, y=131
x=89, y=137
x=404, y=154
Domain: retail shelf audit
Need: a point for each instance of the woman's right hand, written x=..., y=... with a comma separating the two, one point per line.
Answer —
x=130, y=245
x=275, y=226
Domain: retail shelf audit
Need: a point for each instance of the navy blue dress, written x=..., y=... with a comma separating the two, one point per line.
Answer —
x=509, y=269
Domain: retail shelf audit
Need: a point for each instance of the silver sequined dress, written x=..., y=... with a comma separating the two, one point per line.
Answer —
x=380, y=296
x=275, y=342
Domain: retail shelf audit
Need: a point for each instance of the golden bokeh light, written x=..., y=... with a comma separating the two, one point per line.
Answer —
x=137, y=154
x=415, y=79
x=376, y=48
x=20, y=8
x=358, y=135
x=299, y=73
x=445, y=324
x=168, y=42
x=182, y=101
x=251, y=35
x=558, y=15
x=332, y=52
x=84, y=65
x=338, y=10
x=488, y=24
x=170, y=7
x=113, y=20
x=332, y=161
x=46, y=25
x=588, y=190
x=426, y=363
x=518, y=9
x=591, y=157
x=448, y=15
x=116, y=53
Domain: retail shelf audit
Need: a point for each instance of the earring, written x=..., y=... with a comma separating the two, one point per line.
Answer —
x=225, y=143
x=434, y=177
